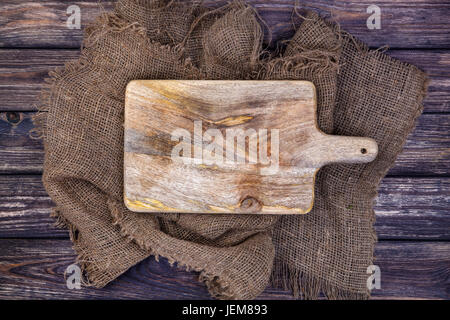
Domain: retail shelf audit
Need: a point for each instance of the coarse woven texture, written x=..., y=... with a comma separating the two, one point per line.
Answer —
x=360, y=93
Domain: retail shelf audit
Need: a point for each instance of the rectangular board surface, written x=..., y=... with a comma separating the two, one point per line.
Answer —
x=227, y=146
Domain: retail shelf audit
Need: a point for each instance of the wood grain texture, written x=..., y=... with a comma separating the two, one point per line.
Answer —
x=404, y=24
x=25, y=209
x=428, y=145
x=43, y=24
x=34, y=269
x=19, y=152
x=426, y=152
x=22, y=73
x=406, y=209
x=246, y=146
x=436, y=64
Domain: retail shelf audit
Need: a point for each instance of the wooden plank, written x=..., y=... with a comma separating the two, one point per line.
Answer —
x=43, y=24
x=404, y=24
x=34, y=269
x=436, y=63
x=413, y=208
x=406, y=209
x=413, y=270
x=19, y=152
x=22, y=73
x=426, y=152
x=25, y=209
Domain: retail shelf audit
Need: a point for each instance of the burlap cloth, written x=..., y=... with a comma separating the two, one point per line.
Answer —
x=360, y=93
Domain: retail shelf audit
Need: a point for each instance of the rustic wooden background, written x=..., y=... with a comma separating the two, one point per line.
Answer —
x=413, y=221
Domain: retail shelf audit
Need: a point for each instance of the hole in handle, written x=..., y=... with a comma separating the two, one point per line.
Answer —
x=363, y=150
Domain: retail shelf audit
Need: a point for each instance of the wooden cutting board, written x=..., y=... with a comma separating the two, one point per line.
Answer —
x=227, y=146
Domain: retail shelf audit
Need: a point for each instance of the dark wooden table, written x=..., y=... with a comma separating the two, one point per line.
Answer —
x=413, y=218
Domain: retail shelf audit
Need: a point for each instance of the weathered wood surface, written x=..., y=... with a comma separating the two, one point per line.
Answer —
x=436, y=63
x=243, y=146
x=34, y=269
x=406, y=209
x=404, y=24
x=19, y=152
x=22, y=74
x=426, y=152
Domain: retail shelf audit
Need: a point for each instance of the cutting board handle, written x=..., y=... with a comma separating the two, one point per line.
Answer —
x=344, y=149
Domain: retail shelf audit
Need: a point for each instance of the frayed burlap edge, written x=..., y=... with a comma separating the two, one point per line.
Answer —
x=218, y=286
